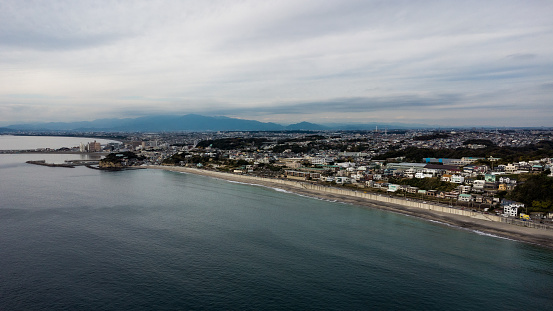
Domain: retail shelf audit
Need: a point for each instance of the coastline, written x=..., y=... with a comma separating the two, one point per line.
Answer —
x=479, y=225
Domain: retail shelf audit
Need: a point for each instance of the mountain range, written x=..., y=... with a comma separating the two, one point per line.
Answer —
x=189, y=122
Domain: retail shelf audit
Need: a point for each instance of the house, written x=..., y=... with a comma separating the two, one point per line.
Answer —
x=511, y=168
x=380, y=184
x=393, y=187
x=464, y=189
x=465, y=197
x=505, y=180
x=412, y=189
x=343, y=180
x=446, y=177
x=510, y=208
x=457, y=179
x=478, y=184
x=490, y=186
x=489, y=178
x=432, y=193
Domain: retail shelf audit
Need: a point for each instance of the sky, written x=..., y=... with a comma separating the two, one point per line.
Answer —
x=446, y=63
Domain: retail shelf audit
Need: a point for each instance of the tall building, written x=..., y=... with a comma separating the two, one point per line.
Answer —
x=94, y=147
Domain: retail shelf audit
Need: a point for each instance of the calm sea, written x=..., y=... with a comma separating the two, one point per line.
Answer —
x=9, y=142
x=82, y=239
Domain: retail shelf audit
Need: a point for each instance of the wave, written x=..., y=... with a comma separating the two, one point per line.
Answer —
x=338, y=201
x=490, y=235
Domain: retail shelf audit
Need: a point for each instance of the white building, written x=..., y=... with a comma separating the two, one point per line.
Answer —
x=393, y=188
x=479, y=184
x=343, y=180
x=423, y=175
x=457, y=179
x=510, y=210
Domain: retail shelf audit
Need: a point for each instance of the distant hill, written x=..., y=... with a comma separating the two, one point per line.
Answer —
x=306, y=126
x=373, y=126
x=189, y=122
x=193, y=123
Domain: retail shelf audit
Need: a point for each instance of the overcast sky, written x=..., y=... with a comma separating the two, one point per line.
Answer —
x=448, y=63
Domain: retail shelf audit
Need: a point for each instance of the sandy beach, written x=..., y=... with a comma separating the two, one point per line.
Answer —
x=535, y=236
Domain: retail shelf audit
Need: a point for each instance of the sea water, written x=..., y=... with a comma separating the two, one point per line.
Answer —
x=78, y=239
x=12, y=142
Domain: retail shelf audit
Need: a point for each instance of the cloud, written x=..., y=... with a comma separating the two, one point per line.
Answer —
x=276, y=59
x=351, y=105
x=522, y=56
x=38, y=41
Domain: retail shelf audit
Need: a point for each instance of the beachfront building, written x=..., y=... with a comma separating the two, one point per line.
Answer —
x=302, y=175
x=411, y=189
x=343, y=180
x=292, y=162
x=510, y=208
x=465, y=197
x=511, y=211
x=393, y=187
x=94, y=147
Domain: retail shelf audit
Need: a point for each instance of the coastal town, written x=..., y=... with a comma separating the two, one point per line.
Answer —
x=501, y=172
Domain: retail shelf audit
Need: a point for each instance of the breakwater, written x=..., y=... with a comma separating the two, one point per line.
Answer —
x=43, y=163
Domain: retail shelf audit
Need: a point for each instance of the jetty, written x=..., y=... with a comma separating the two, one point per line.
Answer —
x=43, y=163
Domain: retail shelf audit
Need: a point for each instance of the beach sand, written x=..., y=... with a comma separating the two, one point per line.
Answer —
x=540, y=237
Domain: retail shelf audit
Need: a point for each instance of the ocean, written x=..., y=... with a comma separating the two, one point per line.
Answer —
x=83, y=239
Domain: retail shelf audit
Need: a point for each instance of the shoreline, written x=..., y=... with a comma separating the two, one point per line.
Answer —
x=479, y=225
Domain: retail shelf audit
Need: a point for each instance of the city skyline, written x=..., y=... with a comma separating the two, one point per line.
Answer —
x=426, y=62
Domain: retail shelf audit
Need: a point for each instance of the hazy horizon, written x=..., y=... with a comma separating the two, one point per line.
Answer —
x=440, y=63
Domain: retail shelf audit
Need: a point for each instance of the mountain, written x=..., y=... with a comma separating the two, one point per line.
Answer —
x=189, y=122
x=306, y=126
x=372, y=126
x=6, y=130
x=194, y=123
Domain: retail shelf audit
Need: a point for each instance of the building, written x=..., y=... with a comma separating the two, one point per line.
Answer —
x=489, y=178
x=511, y=168
x=478, y=184
x=405, y=166
x=343, y=180
x=464, y=189
x=457, y=179
x=94, y=147
x=465, y=197
x=510, y=208
x=393, y=187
